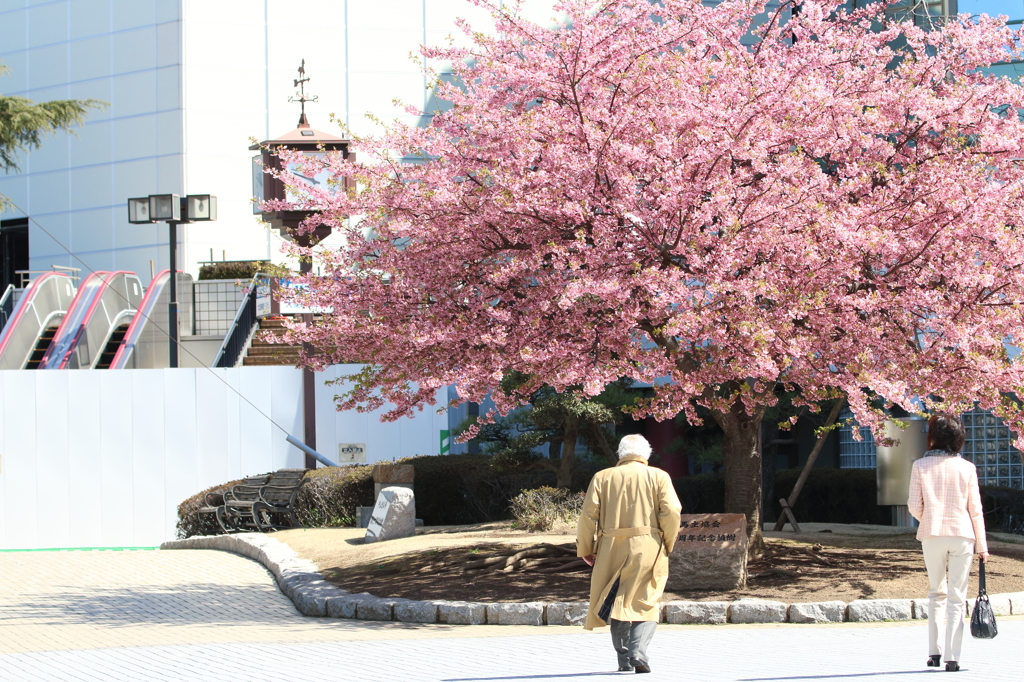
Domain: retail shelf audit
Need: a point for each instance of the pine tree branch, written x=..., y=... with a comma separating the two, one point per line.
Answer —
x=23, y=123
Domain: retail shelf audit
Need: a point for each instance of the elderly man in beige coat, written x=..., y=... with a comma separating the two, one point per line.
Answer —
x=628, y=526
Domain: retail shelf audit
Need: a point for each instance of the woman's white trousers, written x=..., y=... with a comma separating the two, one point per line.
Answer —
x=948, y=560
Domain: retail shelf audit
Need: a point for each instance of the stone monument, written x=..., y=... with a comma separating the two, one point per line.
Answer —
x=394, y=515
x=385, y=475
x=710, y=553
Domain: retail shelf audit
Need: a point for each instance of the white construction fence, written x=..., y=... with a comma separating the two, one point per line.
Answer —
x=93, y=458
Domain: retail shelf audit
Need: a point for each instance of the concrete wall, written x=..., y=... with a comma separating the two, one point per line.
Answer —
x=102, y=458
x=199, y=351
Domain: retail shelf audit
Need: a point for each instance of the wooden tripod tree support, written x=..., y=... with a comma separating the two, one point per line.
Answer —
x=787, y=505
x=787, y=513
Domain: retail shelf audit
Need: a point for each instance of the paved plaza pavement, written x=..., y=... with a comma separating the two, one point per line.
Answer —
x=207, y=615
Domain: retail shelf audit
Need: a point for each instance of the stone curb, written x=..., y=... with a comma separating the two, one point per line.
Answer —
x=313, y=596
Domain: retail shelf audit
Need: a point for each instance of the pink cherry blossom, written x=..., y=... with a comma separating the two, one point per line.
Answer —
x=683, y=195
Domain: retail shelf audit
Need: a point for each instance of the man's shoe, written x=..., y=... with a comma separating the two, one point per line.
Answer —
x=952, y=667
x=641, y=667
x=935, y=660
x=625, y=668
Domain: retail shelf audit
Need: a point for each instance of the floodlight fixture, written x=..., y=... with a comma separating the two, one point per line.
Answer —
x=138, y=211
x=201, y=207
x=165, y=207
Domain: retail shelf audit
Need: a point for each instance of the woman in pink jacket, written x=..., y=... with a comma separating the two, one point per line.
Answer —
x=944, y=497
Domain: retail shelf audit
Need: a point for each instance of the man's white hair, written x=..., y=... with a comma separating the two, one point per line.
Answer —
x=634, y=444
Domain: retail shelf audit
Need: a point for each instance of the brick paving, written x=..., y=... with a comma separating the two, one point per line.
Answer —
x=202, y=615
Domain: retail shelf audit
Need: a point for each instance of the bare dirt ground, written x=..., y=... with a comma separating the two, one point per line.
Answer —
x=824, y=562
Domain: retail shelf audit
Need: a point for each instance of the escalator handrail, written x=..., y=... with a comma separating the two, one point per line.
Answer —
x=63, y=329
x=107, y=282
x=23, y=304
x=142, y=315
x=243, y=324
x=8, y=293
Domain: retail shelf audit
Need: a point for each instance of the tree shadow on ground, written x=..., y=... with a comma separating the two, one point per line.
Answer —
x=184, y=604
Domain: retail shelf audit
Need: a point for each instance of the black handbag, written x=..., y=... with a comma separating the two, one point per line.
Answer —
x=983, y=621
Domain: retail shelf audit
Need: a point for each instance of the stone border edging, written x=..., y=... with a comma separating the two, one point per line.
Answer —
x=300, y=580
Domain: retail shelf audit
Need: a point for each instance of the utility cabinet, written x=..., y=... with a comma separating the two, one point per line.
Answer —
x=894, y=465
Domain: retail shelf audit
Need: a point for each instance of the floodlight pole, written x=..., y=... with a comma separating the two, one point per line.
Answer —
x=172, y=305
x=141, y=211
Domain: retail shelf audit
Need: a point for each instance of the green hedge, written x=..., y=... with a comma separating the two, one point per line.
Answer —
x=835, y=496
x=463, y=489
x=450, y=490
x=701, y=494
x=329, y=496
x=1004, y=509
x=243, y=270
x=843, y=496
x=459, y=489
x=828, y=496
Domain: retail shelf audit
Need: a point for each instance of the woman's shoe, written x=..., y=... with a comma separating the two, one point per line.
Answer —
x=952, y=667
x=935, y=660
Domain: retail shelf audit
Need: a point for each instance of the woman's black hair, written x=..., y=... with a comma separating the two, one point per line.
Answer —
x=946, y=432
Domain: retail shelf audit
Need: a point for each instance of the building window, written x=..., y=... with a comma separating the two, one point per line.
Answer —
x=855, y=454
x=989, y=446
x=925, y=13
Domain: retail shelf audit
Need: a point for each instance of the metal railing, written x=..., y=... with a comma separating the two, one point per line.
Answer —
x=25, y=276
x=216, y=303
x=241, y=330
x=6, y=306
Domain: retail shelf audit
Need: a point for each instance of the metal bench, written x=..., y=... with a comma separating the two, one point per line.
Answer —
x=276, y=502
x=245, y=493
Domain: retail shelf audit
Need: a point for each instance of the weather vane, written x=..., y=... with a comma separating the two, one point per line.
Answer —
x=300, y=96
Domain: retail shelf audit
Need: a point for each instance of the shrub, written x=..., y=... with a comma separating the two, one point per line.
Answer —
x=461, y=489
x=835, y=496
x=190, y=522
x=542, y=508
x=450, y=490
x=1004, y=509
x=329, y=496
x=701, y=494
x=243, y=270
x=828, y=495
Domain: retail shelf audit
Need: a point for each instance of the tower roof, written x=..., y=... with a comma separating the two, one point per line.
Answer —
x=303, y=135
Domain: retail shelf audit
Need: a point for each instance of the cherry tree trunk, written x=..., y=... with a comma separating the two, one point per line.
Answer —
x=741, y=459
x=568, y=463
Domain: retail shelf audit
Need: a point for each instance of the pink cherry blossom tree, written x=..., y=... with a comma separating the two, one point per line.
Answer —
x=722, y=202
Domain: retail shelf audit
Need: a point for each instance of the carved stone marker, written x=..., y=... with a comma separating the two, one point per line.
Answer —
x=394, y=515
x=710, y=553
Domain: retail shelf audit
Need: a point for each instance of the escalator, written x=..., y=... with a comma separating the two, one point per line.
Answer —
x=113, y=345
x=105, y=302
x=146, y=343
x=42, y=345
x=33, y=323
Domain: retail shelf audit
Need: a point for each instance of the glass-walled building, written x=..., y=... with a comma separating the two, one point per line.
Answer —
x=927, y=13
x=989, y=445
